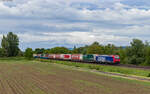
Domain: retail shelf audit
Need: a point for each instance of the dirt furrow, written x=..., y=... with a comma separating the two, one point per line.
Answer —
x=2, y=87
x=41, y=84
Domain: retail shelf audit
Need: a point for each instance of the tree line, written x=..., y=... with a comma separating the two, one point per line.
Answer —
x=137, y=53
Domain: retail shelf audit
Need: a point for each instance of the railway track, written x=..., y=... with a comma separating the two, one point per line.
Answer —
x=120, y=65
x=127, y=66
x=124, y=65
x=134, y=66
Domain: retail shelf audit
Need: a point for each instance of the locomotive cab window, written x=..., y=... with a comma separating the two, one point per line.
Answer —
x=116, y=57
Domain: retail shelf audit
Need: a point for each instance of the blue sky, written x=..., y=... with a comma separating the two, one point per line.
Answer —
x=50, y=23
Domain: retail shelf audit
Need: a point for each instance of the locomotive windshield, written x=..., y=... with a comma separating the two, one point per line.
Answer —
x=116, y=57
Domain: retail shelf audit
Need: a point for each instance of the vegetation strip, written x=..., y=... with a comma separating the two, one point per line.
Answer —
x=116, y=74
x=131, y=73
x=127, y=76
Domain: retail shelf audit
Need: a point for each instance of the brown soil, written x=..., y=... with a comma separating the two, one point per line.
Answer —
x=44, y=78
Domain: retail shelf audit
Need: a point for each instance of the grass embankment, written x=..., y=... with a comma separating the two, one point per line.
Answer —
x=114, y=69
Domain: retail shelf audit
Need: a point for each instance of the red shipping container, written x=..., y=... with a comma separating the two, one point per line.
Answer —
x=57, y=56
x=67, y=56
x=46, y=55
x=76, y=57
x=39, y=55
x=51, y=56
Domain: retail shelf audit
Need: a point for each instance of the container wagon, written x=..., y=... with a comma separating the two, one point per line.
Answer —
x=45, y=56
x=66, y=56
x=39, y=55
x=76, y=57
x=89, y=58
x=58, y=56
x=51, y=56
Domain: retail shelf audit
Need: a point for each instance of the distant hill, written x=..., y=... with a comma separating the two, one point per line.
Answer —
x=70, y=48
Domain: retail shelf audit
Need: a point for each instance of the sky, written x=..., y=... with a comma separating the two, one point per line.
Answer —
x=50, y=23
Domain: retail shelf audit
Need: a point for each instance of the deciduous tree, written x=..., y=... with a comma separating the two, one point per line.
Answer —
x=10, y=44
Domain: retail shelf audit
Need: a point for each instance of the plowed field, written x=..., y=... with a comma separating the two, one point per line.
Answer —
x=33, y=77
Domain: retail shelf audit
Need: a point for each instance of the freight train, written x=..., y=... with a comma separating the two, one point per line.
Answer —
x=95, y=58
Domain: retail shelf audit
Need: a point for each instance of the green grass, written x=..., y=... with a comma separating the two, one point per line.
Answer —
x=12, y=58
x=115, y=69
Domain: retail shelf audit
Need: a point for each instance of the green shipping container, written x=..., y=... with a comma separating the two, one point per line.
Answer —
x=42, y=56
x=89, y=57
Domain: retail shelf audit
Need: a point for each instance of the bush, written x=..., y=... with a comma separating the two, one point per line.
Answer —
x=29, y=53
x=148, y=75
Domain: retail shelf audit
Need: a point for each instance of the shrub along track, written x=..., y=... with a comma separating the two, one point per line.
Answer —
x=127, y=76
x=113, y=74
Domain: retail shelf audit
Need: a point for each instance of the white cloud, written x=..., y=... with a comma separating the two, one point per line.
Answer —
x=60, y=22
x=74, y=37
